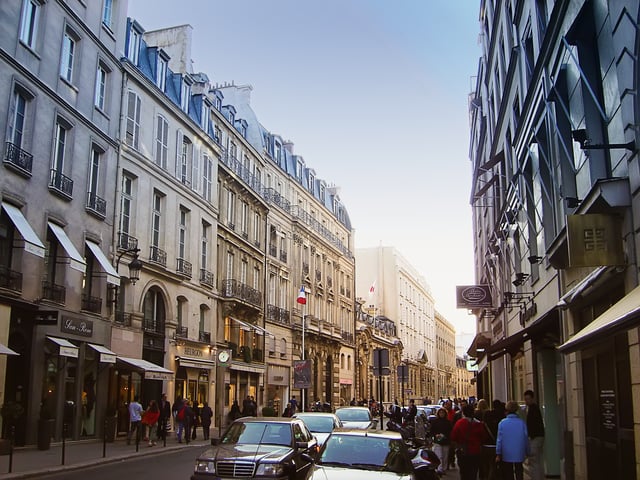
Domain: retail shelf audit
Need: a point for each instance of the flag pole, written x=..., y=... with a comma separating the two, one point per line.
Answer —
x=304, y=320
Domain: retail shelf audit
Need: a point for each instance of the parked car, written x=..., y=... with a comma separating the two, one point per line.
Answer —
x=429, y=410
x=278, y=448
x=320, y=424
x=366, y=455
x=356, y=417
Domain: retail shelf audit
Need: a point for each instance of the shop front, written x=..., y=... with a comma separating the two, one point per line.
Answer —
x=346, y=391
x=195, y=374
x=243, y=382
x=277, y=388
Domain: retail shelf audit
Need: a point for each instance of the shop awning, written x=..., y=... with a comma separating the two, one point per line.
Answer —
x=112, y=276
x=509, y=345
x=251, y=326
x=4, y=350
x=76, y=261
x=66, y=348
x=106, y=355
x=32, y=243
x=578, y=289
x=622, y=316
x=192, y=362
x=150, y=370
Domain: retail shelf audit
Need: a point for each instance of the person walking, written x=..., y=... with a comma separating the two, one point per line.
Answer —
x=235, y=412
x=150, y=420
x=181, y=419
x=441, y=431
x=165, y=416
x=205, y=420
x=294, y=404
x=512, y=444
x=535, y=427
x=468, y=434
x=135, y=416
x=195, y=419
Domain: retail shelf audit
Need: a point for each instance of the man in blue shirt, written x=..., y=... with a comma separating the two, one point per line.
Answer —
x=512, y=444
x=135, y=415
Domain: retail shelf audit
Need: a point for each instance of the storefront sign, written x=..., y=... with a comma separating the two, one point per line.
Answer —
x=148, y=375
x=193, y=352
x=346, y=381
x=473, y=296
x=77, y=326
x=301, y=373
x=608, y=409
x=278, y=375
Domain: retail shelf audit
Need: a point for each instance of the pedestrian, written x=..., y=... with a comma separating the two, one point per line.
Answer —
x=535, y=427
x=246, y=407
x=441, y=431
x=150, y=420
x=481, y=408
x=287, y=411
x=235, y=413
x=181, y=419
x=195, y=418
x=205, y=420
x=411, y=412
x=189, y=420
x=468, y=435
x=163, y=419
x=512, y=444
x=135, y=416
x=294, y=404
x=254, y=407
x=353, y=402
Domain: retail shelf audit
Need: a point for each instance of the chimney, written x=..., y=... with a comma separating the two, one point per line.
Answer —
x=288, y=146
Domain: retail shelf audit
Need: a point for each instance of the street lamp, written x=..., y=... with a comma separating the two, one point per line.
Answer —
x=135, y=266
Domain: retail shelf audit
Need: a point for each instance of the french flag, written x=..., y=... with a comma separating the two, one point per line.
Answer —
x=302, y=296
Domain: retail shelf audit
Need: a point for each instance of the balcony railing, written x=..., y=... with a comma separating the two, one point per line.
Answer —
x=10, y=279
x=283, y=256
x=91, y=304
x=18, y=159
x=60, y=184
x=182, y=332
x=184, y=267
x=53, y=292
x=235, y=289
x=206, y=277
x=277, y=314
x=347, y=337
x=273, y=250
x=96, y=204
x=204, y=337
x=151, y=325
x=123, y=318
x=126, y=241
x=158, y=256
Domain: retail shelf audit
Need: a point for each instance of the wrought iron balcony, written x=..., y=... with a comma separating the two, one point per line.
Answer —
x=182, y=332
x=126, y=241
x=18, y=160
x=123, y=318
x=61, y=184
x=10, y=279
x=204, y=337
x=151, y=325
x=184, y=267
x=273, y=250
x=53, y=292
x=347, y=337
x=240, y=291
x=283, y=256
x=277, y=314
x=206, y=277
x=158, y=256
x=91, y=304
x=96, y=204
x=273, y=197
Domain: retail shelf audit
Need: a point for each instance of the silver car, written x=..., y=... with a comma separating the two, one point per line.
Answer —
x=356, y=417
x=320, y=424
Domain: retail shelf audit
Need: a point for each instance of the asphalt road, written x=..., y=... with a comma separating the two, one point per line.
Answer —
x=176, y=465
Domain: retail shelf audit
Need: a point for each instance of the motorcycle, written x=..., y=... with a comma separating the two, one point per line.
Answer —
x=425, y=463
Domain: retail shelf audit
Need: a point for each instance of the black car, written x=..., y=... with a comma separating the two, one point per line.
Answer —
x=274, y=448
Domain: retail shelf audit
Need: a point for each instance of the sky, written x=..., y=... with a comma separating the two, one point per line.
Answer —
x=374, y=96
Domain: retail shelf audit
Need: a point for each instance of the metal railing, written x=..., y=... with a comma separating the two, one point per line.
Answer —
x=53, y=292
x=347, y=337
x=241, y=291
x=158, y=255
x=204, y=337
x=283, y=256
x=206, y=277
x=152, y=325
x=18, y=158
x=184, y=267
x=182, y=332
x=10, y=279
x=60, y=183
x=122, y=318
x=277, y=314
x=273, y=250
x=126, y=241
x=91, y=304
x=96, y=204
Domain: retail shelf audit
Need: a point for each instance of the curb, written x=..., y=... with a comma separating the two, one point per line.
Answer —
x=94, y=462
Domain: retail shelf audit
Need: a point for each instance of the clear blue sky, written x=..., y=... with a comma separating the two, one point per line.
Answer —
x=373, y=93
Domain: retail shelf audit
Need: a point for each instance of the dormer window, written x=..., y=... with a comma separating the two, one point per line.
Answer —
x=217, y=103
x=277, y=154
x=299, y=170
x=185, y=95
x=133, y=50
x=312, y=182
x=322, y=191
x=161, y=73
x=205, y=117
x=232, y=117
x=243, y=130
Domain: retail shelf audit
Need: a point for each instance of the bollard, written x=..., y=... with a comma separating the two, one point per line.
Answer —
x=104, y=439
x=138, y=437
x=12, y=434
x=64, y=434
x=187, y=428
x=164, y=433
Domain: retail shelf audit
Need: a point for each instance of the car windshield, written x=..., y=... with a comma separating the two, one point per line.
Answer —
x=353, y=415
x=317, y=423
x=365, y=453
x=258, y=433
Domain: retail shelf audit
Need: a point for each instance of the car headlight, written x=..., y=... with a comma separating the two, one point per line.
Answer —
x=204, y=466
x=270, y=470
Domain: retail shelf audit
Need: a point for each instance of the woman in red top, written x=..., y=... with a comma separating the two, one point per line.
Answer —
x=150, y=419
x=468, y=434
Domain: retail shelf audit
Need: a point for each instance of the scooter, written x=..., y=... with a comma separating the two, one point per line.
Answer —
x=425, y=463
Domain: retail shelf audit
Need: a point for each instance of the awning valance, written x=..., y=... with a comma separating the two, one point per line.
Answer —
x=622, y=316
x=112, y=276
x=66, y=348
x=76, y=261
x=106, y=355
x=4, y=350
x=192, y=362
x=578, y=289
x=150, y=370
x=32, y=243
x=251, y=326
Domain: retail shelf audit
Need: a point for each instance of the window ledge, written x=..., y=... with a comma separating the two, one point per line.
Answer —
x=69, y=84
x=30, y=50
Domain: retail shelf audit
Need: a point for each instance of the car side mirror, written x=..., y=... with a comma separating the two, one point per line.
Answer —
x=302, y=445
x=307, y=458
x=215, y=442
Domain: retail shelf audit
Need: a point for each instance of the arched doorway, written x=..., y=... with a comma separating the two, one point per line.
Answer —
x=153, y=339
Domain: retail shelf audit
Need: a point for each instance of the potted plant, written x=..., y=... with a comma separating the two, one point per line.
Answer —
x=110, y=423
x=46, y=424
x=11, y=413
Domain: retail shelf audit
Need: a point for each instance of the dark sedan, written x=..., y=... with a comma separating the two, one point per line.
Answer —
x=274, y=448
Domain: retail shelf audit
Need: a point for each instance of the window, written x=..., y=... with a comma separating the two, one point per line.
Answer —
x=180, y=309
x=230, y=261
x=203, y=317
x=322, y=192
x=183, y=160
x=243, y=271
x=101, y=86
x=232, y=117
x=204, y=249
x=133, y=49
x=256, y=278
x=244, y=218
x=231, y=208
x=126, y=204
x=299, y=170
x=29, y=24
x=195, y=171
x=107, y=13
x=256, y=227
x=17, y=126
x=94, y=201
x=283, y=348
x=207, y=180
x=233, y=150
x=161, y=72
x=185, y=95
x=205, y=117
x=156, y=221
x=154, y=311
x=68, y=51
x=182, y=233
x=217, y=135
x=57, y=164
x=277, y=153
x=132, y=136
x=312, y=182
x=162, y=142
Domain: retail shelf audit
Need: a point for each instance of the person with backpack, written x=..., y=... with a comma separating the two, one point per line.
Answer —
x=181, y=417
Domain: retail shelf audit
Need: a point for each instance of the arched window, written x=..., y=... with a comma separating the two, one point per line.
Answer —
x=154, y=311
x=342, y=361
x=283, y=348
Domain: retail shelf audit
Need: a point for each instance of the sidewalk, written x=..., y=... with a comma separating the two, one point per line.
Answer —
x=29, y=462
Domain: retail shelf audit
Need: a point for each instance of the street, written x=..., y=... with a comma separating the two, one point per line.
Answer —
x=175, y=465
